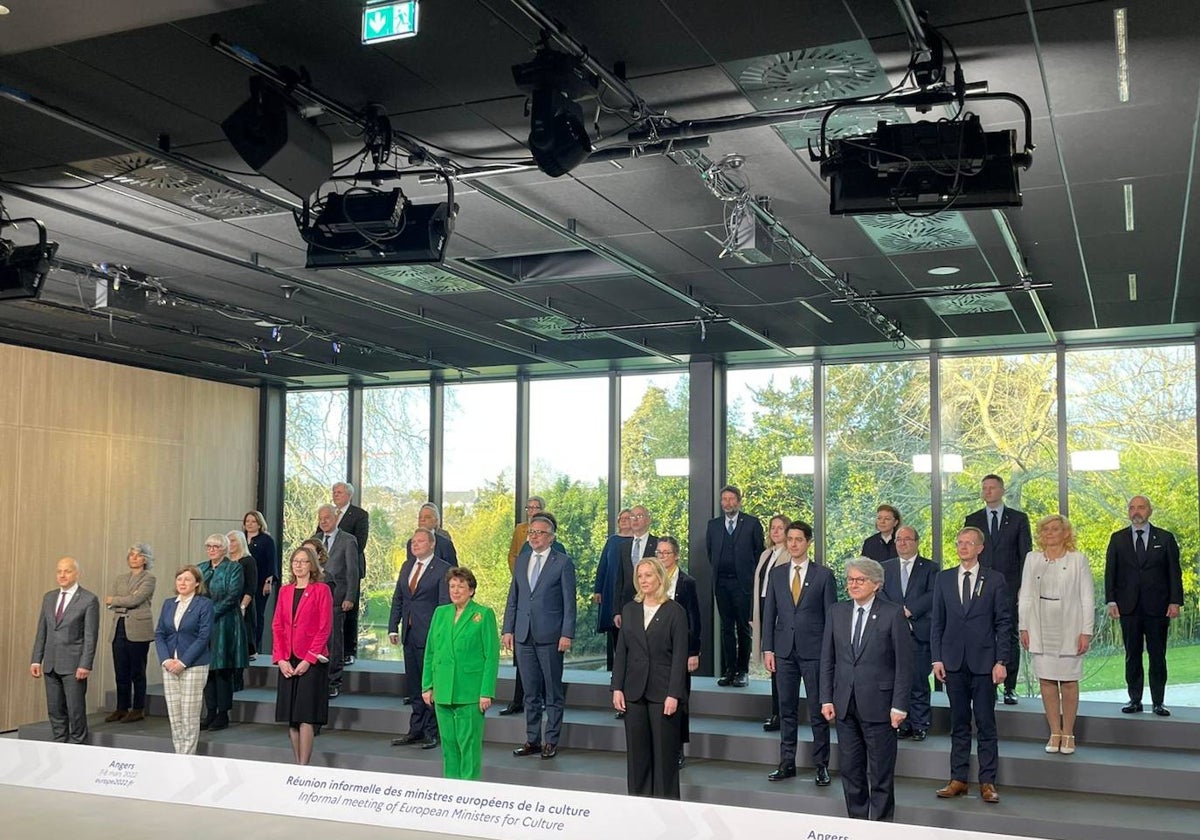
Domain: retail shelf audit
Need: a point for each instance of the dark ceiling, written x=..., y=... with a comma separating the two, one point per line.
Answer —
x=1105, y=215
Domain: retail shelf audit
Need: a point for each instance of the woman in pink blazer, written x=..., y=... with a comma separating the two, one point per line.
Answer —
x=300, y=649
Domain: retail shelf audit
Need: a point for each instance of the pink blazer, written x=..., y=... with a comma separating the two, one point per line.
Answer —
x=307, y=635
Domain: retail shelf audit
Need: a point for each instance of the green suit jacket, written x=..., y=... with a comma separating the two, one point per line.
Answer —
x=462, y=658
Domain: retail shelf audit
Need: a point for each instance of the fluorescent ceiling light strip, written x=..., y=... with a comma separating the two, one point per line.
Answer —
x=1127, y=189
x=1132, y=286
x=1121, y=24
x=815, y=311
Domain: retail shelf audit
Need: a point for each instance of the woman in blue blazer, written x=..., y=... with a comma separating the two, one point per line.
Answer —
x=181, y=640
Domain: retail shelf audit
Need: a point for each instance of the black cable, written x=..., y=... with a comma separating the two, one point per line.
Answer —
x=103, y=180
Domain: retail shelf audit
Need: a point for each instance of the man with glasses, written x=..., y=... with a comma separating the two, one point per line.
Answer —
x=865, y=687
x=355, y=521
x=908, y=581
x=969, y=640
x=799, y=595
x=734, y=542
x=520, y=543
x=643, y=544
x=341, y=573
x=539, y=618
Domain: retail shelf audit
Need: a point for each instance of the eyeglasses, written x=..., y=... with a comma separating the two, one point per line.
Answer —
x=639, y=516
x=857, y=580
x=664, y=554
x=213, y=545
x=533, y=507
x=534, y=533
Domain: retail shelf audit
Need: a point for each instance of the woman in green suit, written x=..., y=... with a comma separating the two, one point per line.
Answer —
x=462, y=656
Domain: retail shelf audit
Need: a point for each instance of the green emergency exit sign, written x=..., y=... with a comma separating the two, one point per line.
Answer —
x=389, y=21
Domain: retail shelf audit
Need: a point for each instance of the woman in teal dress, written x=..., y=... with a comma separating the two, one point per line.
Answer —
x=462, y=656
x=227, y=642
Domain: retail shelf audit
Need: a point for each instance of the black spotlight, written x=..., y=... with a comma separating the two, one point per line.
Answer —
x=558, y=137
x=23, y=268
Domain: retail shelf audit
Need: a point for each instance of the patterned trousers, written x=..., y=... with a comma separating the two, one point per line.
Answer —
x=185, y=699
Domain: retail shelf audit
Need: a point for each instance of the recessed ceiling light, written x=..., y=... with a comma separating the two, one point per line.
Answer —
x=1128, y=192
x=941, y=270
x=1121, y=25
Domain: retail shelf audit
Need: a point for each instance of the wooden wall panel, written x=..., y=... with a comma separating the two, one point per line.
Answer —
x=95, y=457
x=65, y=392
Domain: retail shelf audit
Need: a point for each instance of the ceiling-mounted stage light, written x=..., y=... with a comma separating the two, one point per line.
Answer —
x=23, y=268
x=278, y=142
x=558, y=136
x=373, y=227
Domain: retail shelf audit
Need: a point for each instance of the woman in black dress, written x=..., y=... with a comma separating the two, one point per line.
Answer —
x=300, y=636
x=266, y=556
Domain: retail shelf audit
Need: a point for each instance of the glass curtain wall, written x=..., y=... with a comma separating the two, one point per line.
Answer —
x=315, y=456
x=395, y=478
x=877, y=449
x=568, y=467
x=654, y=452
x=479, y=461
x=1131, y=430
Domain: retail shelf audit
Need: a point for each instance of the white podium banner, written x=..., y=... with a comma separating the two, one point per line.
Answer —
x=474, y=809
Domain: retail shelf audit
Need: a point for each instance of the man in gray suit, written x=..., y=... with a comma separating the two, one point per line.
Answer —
x=540, y=617
x=341, y=573
x=64, y=650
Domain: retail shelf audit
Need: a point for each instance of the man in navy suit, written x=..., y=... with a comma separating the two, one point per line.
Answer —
x=799, y=595
x=641, y=545
x=908, y=582
x=540, y=618
x=969, y=639
x=865, y=686
x=734, y=542
x=1143, y=585
x=64, y=650
x=1007, y=540
x=421, y=587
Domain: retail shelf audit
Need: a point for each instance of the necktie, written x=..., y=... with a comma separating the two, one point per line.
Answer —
x=636, y=554
x=795, y=585
x=995, y=523
x=62, y=605
x=1140, y=545
x=856, y=641
x=326, y=536
x=416, y=576
x=537, y=571
x=966, y=593
x=904, y=576
x=729, y=523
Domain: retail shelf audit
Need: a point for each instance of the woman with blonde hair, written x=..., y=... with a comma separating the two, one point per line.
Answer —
x=773, y=555
x=239, y=550
x=1057, y=618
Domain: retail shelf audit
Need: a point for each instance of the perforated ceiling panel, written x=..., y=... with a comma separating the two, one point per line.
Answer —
x=427, y=279
x=810, y=76
x=900, y=234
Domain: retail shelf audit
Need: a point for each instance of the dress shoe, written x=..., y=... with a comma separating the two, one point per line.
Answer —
x=350, y=660
x=134, y=716
x=682, y=758
x=771, y=724
x=549, y=751
x=619, y=716
x=221, y=721
x=430, y=744
x=952, y=789
x=513, y=708
x=783, y=771
x=527, y=749
x=1068, y=745
x=919, y=734
x=119, y=714
x=741, y=680
x=1132, y=707
x=410, y=738
x=1010, y=697
x=334, y=691
x=725, y=681
x=822, y=779
x=904, y=732
x=207, y=722
x=987, y=792
x=1161, y=710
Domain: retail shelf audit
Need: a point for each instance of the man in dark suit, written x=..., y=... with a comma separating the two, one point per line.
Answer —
x=799, y=595
x=1007, y=539
x=64, y=650
x=908, y=582
x=1143, y=585
x=969, y=639
x=866, y=685
x=539, y=618
x=421, y=587
x=341, y=573
x=734, y=542
x=642, y=544
x=353, y=520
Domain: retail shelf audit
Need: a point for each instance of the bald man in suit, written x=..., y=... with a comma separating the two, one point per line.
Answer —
x=64, y=650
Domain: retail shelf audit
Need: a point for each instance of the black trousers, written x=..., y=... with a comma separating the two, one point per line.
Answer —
x=349, y=634
x=1013, y=665
x=129, y=666
x=260, y=616
x=867, y=756
x=733, y=606
x=1148, y=632
x=972, y=698
x=423, y=720
x=652, y=750
x=790, y=671
x=218, y=691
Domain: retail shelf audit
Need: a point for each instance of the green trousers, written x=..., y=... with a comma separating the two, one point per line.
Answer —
x=461, y=730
